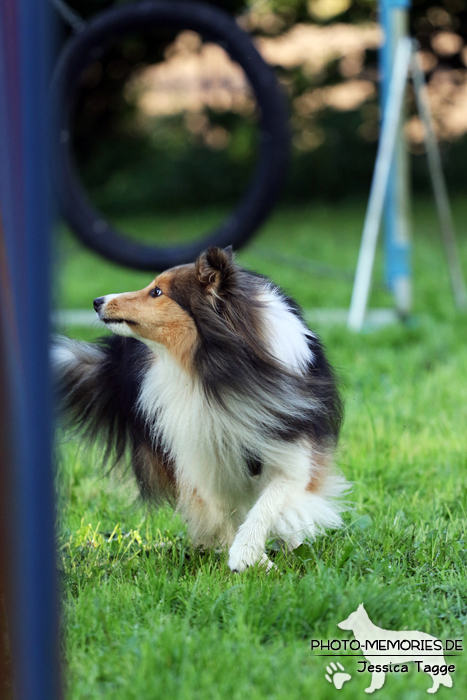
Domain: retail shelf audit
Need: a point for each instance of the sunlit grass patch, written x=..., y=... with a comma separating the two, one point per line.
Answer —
x=146, y=615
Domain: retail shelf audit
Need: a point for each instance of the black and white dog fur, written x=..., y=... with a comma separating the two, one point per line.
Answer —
x=222, y=397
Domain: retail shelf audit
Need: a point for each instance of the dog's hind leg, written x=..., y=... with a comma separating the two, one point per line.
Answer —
x=377, y=681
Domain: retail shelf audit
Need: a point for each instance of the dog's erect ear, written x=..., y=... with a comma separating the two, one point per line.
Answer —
x=214, y=268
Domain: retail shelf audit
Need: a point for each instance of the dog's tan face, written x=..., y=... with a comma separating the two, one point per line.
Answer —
x=163, y=312
x=152, y=314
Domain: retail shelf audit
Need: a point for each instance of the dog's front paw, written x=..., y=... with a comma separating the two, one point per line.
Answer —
x=242, y=555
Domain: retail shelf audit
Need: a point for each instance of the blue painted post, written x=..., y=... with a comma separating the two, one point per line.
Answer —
x=25, y=53
x=394, y=21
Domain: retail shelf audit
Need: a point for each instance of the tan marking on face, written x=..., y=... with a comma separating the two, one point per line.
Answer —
x=159, y=319
x=321, y=465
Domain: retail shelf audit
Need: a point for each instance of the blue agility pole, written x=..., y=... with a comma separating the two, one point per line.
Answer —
x=31, y=586
x=394, y=22
x=379, y=185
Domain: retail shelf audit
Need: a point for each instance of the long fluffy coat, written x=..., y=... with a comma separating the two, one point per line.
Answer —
x=223, y=398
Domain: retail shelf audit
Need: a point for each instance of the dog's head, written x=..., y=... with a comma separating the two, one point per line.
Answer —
x=353, y=618
x=182, y=305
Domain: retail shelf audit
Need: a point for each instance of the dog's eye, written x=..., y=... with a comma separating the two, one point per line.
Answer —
x=155, y=292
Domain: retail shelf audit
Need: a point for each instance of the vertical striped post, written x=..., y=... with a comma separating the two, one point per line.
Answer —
x=31, y=595
x=394, y=21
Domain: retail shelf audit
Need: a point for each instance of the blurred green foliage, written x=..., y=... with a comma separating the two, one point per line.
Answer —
x=127, y=167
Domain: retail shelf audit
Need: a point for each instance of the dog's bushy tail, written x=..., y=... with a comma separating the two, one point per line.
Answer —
x=97, y=387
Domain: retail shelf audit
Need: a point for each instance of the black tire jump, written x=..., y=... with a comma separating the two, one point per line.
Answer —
x=261, y=194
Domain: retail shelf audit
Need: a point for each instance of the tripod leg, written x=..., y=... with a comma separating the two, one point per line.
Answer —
x=439, y=186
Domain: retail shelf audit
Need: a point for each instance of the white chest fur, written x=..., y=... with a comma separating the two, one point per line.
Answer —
x=207, y=444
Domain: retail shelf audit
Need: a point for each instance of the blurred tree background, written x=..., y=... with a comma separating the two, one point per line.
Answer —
x=166, y=121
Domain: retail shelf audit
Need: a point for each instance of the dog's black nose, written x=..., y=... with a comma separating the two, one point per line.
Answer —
x=98, y=303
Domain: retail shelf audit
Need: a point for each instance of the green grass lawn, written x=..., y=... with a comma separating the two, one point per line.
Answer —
x=146, y=616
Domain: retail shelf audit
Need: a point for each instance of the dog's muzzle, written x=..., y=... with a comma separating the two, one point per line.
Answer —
x=97, y=303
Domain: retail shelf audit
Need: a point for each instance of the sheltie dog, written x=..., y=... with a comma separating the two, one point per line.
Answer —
x=224, y=400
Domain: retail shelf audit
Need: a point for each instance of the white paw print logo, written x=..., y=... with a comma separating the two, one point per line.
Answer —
x=337, y=675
